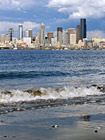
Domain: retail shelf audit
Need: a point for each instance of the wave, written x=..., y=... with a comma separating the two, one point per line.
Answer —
x=15, y=96
x=38, y=74
x=31, y=74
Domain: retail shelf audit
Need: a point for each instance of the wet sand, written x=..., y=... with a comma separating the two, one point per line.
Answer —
x=74, y=122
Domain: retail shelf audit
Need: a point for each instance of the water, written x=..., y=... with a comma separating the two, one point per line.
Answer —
x=35, y=79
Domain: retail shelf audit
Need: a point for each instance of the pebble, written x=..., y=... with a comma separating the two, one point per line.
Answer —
x=54, y=126
x=96, y=131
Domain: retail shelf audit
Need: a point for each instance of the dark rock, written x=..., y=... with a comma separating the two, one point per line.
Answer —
x=96, y=131
x=54, y=126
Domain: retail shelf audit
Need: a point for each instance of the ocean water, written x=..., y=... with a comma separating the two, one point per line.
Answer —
x=35, y=79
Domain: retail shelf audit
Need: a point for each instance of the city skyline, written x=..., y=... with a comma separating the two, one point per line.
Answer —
x=32, y=13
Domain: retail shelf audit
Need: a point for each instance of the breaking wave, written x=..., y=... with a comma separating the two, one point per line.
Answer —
x=15, y=96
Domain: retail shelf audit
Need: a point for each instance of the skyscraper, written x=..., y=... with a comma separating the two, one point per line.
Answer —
x=2, y=38
x=26, y=34
x=78, y=34
x=30, y=33
x=50, y=35
x=71, y=32
x=60, y=35
x=66, y=37
x=20, y=31
x=83, y=28
x=10, y=34
x=42, y=33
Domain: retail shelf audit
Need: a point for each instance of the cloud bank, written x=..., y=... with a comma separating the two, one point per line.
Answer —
x=5, y=25
x=95, y=33
x=79, y=8
x=16, y=4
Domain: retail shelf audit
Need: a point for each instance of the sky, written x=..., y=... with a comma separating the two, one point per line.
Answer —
x=53, y=13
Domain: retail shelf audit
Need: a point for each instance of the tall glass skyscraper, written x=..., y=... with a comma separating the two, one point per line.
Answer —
x=42, y=33
x=20, y=31
x=83, y=28
x=10, y=34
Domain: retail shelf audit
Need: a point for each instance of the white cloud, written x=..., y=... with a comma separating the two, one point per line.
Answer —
x=16, y=4
x=80, y=8
x=95, y=33
x=5, y=25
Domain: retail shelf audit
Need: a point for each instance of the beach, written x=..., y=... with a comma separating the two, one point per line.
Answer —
x=52, y=95
x=73, y=123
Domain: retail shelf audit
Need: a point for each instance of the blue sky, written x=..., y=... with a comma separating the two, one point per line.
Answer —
x=54, y=13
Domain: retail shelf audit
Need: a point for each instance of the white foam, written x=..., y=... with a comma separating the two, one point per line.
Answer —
x=65, y=93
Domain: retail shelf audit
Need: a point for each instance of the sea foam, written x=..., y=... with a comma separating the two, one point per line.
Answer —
x=14, y=96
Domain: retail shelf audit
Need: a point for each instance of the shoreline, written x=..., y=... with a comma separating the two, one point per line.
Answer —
x=73, y=123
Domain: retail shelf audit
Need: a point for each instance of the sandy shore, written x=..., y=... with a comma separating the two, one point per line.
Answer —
x=75, y=122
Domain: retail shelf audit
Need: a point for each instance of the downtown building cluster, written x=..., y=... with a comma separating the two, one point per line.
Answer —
x=69, y=39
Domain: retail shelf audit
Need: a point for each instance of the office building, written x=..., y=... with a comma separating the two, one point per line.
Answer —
x=50, y=35
x=2, y=38
x=10, y=34
x=72, y=39
x=46, y=42
x=71, y=31
x=26, y=34
x=60, y=35
x=53, y=41
x=83, y=28
x=78, y=34
x=6, y=38
x=65, y=37
x=30, y=33
x=20, y=32
x=42, y=33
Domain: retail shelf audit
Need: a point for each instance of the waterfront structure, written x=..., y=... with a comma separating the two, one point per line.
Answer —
x=20, y=31
x=83, y=28
x=27, y=40
x=71, y=31
x=10, y=34
x=50, y=35
x=78, y=34
x=60, y=35
x=42, y=33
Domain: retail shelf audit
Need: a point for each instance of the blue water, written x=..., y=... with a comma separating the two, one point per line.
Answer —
x=24, y=69
x=67, y=98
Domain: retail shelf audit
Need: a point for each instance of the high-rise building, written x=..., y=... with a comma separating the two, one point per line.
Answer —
x=50, y=35
x=66, y=37
x=26, y=34
x=10, y=34
x=2, y=38
x=42, y=33
x=70, y=32
x=30, y=34
x=83, y=28
x=72, y=39
x=20, y=32
x=6, y=38
x=60, y=35
x=78, y=34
